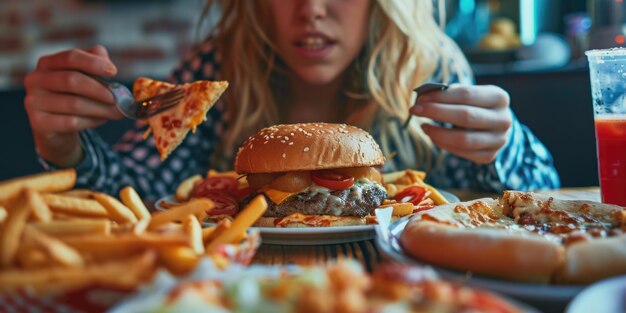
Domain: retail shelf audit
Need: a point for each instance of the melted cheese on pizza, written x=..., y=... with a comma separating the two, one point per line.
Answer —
x=571, y=220
x=169, y=128
x=483, y=213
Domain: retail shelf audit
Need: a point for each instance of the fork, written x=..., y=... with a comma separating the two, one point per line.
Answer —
x=140, y=109
x=422, y=90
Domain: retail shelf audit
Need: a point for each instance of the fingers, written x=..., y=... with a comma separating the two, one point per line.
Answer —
x=477, y=156
x=486, y=96
x=99, y=50
x=478, y=146
x=44, y=122
x=79, y=60
x=465, y=116
x=66, y=104
x=68, y=82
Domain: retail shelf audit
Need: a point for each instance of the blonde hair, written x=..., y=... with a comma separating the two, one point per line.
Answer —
x=404, y=48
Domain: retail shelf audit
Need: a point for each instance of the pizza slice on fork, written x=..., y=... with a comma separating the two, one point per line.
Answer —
x=170, y=127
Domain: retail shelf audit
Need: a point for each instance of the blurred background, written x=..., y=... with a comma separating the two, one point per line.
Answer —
x=532, y=48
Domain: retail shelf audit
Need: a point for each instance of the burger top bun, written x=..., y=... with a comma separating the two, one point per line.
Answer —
x=307, y=146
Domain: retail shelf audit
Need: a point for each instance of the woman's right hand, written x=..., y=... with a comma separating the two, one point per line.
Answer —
x=61, y=100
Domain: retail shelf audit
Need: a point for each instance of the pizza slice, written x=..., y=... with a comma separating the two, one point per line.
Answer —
x=170, y=127
x=523, y=236
x=594, y=234
x=476, y=236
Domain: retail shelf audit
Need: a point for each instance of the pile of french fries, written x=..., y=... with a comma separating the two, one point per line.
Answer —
x=54, y=239
x=395, y=182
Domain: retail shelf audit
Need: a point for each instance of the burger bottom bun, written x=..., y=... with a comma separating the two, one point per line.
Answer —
x=325, y=220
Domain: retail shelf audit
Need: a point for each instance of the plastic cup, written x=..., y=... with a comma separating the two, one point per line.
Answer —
x=607, y=70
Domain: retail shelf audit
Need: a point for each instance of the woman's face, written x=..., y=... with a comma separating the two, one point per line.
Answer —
x=319, y=39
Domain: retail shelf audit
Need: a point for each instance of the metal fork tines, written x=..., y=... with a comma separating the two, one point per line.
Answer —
x=144, y=108
x=157, y=104
x=422, y=90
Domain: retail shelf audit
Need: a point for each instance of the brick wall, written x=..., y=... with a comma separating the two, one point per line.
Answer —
x=143, y=37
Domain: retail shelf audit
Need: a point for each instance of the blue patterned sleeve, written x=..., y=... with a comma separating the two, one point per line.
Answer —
x=135, y=161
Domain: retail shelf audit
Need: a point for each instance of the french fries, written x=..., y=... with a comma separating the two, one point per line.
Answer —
x=47, y=182
x=184, y=189
x=13, y=227
x=28, y=256
x=79, y=193
x=132, y=200
x=437, y=197
x=115, y=209
x=39, y=209
x=75, y=227
x=75, y=206
x=396, y=182
x=3, y=214
x=197, y=207
x=58, y=252
x=248, y=216
x=400, y=209
x=211, y=233
x=192, y=227
x=53, y=239
x=179, y=259
x=122, y=273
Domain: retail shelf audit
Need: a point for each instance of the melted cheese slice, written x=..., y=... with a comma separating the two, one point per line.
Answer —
x=169, y=128
x=277, y=196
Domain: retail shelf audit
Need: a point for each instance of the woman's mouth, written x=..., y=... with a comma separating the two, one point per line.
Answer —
x=314, y=47
x=313, y=43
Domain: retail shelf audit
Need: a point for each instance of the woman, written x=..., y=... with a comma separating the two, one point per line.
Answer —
x=349, y=61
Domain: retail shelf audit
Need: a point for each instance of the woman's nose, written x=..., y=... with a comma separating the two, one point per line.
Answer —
x=312, y=9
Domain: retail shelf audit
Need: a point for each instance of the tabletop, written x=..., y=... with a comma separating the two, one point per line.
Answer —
x=366, y=251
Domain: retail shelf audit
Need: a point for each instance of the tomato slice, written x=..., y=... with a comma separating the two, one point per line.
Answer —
x=224, y=184
x=332, y=180
x=224, y=204
x=413, y=194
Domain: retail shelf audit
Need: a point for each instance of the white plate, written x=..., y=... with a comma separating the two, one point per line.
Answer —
x=544, y=296
x=312, y=235
x=606, y=296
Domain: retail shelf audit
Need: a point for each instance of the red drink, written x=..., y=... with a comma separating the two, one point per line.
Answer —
x=611, y=138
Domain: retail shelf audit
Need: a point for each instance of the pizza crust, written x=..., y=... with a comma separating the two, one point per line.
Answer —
x=593, y=260
x=485, y=236
x=493, y=252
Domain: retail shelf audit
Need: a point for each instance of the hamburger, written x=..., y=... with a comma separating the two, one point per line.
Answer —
x=313, y=174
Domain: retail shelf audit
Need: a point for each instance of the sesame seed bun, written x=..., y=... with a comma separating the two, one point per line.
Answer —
x=306, y=147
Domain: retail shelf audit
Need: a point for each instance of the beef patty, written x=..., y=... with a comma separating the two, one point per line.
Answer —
x=359, y=200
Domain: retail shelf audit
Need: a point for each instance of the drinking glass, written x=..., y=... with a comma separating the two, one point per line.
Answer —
x=607, y=70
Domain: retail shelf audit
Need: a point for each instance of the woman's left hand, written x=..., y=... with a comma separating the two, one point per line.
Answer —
x=480, y=115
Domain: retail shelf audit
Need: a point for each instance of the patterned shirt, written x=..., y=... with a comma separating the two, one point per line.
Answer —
x=522, y=164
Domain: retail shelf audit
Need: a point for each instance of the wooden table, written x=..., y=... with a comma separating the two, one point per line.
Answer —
x=366, y=251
